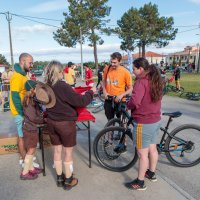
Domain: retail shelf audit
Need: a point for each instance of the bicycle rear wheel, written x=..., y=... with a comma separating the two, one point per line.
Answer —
x=107, y=156
x=182, y=149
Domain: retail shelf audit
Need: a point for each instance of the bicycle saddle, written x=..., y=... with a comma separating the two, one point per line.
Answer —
x=173, y=114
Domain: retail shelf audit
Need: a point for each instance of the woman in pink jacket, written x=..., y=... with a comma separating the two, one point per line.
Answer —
x=145, y=105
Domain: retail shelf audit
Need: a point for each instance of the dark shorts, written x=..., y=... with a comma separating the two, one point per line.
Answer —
x=111, y=110
x=30, y=139
x=62, y=132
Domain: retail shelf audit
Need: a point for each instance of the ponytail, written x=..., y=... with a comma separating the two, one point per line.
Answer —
x=156, y=83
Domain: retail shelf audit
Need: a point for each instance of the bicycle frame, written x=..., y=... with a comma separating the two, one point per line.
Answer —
x=161, y=145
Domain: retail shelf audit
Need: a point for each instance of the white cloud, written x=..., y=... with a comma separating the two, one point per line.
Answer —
x=64, y=54
x=180, y=14
x=195, y=1
x=35, y=28
x=49, y=6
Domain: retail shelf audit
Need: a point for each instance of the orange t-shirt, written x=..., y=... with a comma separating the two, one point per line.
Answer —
x=117, y=80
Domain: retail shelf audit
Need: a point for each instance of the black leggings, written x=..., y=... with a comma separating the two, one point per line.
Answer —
x=99, y=81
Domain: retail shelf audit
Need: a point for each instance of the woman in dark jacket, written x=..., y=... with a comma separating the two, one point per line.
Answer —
x=61, y=121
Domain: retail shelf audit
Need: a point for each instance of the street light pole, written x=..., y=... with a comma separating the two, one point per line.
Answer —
x=9, y=18
x=198, y=65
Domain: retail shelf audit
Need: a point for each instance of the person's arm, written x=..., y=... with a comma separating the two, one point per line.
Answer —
x=103, y=83
x=73, y=98
x=137, y=95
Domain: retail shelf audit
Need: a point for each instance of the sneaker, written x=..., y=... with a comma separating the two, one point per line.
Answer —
x=28, y=176
x=60, y=180
x=136, y=185
x=151, y=176
x=36, y=171
x=70, y=183
x=36, y=165
x=21, y=161
x=120, y=148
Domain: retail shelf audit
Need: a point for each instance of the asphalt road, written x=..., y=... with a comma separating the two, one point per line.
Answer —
x=186, y=180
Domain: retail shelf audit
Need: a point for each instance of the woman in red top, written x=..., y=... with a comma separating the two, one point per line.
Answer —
x=88, y=76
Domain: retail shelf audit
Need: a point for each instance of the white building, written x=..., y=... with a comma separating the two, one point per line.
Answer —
x=188, y=57
x=152, y=57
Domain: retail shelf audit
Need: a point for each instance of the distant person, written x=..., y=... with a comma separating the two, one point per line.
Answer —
x=88, y=76
x=61, y=121
x=32, y=117
x=145, y=105
x=17, y=94
x=69, y=74
x=177, y=75
x=6, y=76
x=99, y=74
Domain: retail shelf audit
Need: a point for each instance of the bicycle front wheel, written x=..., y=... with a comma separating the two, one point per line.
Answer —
x=113, y=122
x=183, y=146
x=106, y=149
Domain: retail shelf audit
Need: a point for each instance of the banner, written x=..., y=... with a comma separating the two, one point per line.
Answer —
x=130, y=62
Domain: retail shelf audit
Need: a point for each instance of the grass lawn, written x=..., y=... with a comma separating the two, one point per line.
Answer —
x=190, y=82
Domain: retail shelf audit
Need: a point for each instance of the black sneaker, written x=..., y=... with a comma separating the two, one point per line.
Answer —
x=120, y=148
x=150, y=175
x=60, y=180
x=136, y=185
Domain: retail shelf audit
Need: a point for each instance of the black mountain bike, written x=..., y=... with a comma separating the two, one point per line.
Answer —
x=181, y=146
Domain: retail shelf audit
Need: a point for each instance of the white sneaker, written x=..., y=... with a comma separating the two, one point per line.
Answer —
x=34, y=158
x=36, y=165
x=21, y=161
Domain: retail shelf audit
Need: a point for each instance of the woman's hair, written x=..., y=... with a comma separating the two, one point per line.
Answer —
x=156, y=83
x=53, y=70
x=29, y=98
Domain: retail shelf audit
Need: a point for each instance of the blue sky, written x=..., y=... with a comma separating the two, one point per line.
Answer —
x=37, y=39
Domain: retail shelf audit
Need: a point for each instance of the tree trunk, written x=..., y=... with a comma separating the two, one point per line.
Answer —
x=95, y=56
x=143, y=49
x=139, y=50
x=95, y=51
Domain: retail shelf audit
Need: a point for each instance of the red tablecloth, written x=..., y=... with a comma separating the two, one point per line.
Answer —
x=83, y=113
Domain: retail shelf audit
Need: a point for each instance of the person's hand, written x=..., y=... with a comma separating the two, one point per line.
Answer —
x=94, y=89
x=105, y=94
x=119, y=97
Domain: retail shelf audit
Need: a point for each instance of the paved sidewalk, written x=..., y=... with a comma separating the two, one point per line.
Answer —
x=94, y=183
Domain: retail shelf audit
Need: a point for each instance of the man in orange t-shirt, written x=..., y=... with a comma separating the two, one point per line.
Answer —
x=117, y=81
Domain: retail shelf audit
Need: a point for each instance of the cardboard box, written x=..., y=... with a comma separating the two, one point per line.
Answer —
x=9, y=144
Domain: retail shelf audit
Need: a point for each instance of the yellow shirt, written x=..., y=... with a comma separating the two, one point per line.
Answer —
x=69, y=77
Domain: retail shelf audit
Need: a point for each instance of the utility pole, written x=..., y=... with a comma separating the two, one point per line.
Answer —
x=9, y=18
x=198, y=65
x=81, y=45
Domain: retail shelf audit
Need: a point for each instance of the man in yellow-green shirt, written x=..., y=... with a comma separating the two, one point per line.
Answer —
x=69, y=74
x=17, y=94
